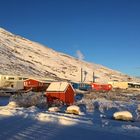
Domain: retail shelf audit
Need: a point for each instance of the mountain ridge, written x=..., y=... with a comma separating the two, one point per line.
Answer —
x=20, y=56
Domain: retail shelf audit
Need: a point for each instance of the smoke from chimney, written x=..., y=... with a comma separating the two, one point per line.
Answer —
x=79, y=55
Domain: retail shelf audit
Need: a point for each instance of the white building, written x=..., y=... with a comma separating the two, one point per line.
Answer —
x=13, y=82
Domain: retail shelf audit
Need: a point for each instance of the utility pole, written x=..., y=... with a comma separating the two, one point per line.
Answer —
x=93, y=77
x=81, y=75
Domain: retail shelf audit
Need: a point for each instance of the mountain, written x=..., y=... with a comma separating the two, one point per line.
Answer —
x=20, y=56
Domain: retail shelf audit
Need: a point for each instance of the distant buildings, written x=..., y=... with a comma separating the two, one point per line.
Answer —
x=12, y=82
x=24, y=83
x=124, y=85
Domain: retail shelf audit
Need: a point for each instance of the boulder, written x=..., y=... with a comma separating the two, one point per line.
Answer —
x=123, y=115
x=12, y=104
x=53, y=109
x=73, y=110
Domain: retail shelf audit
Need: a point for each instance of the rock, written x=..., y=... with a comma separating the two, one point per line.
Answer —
x=123, y=115
x=12, y=104
x=53, y=109
x=73, y=110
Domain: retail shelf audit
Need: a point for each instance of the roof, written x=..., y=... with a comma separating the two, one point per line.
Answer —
x=58, y=86
x=42, y=79
x=39, y=80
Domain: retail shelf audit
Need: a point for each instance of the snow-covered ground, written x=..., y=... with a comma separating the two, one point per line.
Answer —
x=97, y=123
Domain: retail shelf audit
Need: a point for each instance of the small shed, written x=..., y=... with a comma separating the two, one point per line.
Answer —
x=36, y=85
x=62, y=91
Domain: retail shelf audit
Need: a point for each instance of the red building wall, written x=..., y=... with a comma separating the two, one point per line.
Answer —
x=69, y=95
x=66, y=97
x=98, y=86
x=35, y=85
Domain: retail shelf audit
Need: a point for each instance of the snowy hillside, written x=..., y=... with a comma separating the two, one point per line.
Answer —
x=20, y=56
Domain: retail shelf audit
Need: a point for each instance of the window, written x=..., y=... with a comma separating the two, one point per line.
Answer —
x=12, y=86
x=20, y=78
x=11, y=78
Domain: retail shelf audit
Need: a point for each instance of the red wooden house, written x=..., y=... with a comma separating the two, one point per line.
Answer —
x=36, y=85
x=62, y=91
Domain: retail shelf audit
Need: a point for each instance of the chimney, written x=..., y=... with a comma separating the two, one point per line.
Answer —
x=81, y=75
x=93, y=77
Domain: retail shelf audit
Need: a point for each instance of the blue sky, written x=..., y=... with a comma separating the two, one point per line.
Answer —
x=107, y=32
